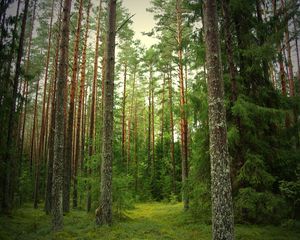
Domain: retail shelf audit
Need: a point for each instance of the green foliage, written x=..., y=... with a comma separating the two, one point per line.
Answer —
x=259, y=207
x=253, y=173
x=122, y=194
x=201, y=203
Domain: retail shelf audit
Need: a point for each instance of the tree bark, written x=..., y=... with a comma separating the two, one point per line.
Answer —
x=222, y=209
x=49, y=179
x=58, y=161
x=104, y=211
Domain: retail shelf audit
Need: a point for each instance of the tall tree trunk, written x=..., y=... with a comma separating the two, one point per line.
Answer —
x=222, y=209
x=297, y=51
x=124, y=113
x=32, y=149
x=172, y=154
x=34, y=138
x=80, y=108
x=93, y=107
x=44, y=113
x=104, y=211
x=152, y=136
x=136, y=175
x=289, y=55
x=183, y=121
x=49, y=179
x=149, y=165
x=229, y=50
x=70, y=128
x=163, y=115
x=280, y=56
x=58, y=161
x=9, y=162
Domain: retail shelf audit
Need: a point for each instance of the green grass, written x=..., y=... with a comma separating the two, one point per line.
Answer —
x=146, y=221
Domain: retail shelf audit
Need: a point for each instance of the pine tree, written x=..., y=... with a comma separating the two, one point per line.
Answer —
x=104, y=211
x=58, y=161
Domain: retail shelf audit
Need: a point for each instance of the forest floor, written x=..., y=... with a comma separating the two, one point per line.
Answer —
x=146, y=221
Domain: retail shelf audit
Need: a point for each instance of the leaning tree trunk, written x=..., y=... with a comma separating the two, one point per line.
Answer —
x=58, y=161
x=222, y=209
x=104, y=211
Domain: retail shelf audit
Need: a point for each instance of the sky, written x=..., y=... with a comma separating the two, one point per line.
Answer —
x=142, y=21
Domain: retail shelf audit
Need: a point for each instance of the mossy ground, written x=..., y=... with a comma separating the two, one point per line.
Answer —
x=146, y=221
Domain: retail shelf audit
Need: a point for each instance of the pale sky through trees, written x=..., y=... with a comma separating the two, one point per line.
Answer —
x=142, y=21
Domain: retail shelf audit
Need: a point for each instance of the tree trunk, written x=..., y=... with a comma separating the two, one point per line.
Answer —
x=172, y=133
x=9, y=162
x=297, y=51
x=80, y=108
x=93, y=107
x=136, y=175
x=183, y=121
x=70, y=128
x=289, y=55
x=123, y=113
x=104, y=211
x=44, y=113
x=222, y=209
x=149, y=165
x=49, y=179
x=129, y=122
x=58, y=161
x=162, y=116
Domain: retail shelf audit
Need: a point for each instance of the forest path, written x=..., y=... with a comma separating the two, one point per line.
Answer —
x=149, y=221
x=165, y=221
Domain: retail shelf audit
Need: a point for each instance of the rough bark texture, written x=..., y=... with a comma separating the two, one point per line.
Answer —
x=222, y=210
x=58, y=161
x=104, y=211
x=48, y=194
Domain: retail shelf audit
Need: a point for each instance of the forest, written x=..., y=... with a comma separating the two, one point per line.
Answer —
x=194, y=135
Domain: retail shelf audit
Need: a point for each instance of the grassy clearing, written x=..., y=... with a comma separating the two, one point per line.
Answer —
x=147, y=221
